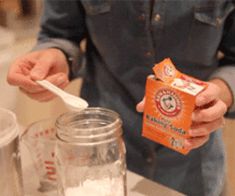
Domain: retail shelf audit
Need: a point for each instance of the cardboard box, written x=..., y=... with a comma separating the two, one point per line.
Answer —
x=170, y=101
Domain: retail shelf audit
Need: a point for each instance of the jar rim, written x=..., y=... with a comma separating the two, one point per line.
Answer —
x=62, y=122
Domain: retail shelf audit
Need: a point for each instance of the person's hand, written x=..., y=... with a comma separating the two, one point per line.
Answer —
x=207, y=117
x=209, y=113
x=49, y=64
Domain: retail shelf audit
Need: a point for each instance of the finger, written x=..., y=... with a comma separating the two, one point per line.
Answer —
x=41, y=97
x=206, y=128
x=18, y=75
x=196, y=142
x=45, y=95
x=57, y=79
x=50, y=95
x=25, y=67
x=140, y=105
x=212, y=113
x=210, y=94
x=41, y=69
x=23, y=82
x=22, y=65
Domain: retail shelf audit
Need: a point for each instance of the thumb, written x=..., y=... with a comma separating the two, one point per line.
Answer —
x=140, y=106
x=208, y=95
x=40, y=70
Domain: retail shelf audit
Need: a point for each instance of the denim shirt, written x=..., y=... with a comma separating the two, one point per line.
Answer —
x=124, y=40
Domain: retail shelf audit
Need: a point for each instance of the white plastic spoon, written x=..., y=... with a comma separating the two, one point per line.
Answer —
x=71, y=101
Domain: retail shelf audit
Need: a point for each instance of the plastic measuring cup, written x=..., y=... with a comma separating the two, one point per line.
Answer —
x=40, y=138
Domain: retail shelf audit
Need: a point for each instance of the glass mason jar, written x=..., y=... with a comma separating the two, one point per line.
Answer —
x=90, y=154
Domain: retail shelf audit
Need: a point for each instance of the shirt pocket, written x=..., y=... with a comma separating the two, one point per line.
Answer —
x=94, y=7
x=207, y=31
x=213, y=15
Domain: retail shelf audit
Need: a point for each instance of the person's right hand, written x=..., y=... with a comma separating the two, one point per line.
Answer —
x=49, y=64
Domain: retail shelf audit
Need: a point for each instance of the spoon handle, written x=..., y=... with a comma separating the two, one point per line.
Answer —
x=51, y=87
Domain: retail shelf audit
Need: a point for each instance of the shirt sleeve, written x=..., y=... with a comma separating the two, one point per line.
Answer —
x=226, y=70
x=62, y=26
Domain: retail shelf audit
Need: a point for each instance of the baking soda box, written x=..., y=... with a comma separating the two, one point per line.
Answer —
x=170, y=100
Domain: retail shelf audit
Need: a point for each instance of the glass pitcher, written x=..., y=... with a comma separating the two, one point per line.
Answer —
x=90, y=154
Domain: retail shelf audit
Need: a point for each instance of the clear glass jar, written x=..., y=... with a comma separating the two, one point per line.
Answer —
x=90, y=154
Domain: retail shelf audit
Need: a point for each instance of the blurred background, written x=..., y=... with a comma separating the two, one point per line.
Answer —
x=19, y=24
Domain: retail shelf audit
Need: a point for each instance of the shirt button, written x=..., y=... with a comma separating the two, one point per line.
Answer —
x=148, y=54
x=142, y=17
x=157, y=17
x=149, y=159
x=218, y=21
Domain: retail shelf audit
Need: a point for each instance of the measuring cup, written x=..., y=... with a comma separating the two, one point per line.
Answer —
x=40, y=138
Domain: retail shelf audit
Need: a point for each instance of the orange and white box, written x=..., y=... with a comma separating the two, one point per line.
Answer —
x=170, y=100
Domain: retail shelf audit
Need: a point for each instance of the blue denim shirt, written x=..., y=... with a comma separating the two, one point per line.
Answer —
x=124, y=40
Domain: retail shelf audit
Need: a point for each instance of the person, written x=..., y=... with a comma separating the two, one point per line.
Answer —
x=124, y=40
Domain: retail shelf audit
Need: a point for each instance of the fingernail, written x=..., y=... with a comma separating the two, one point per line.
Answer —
x=37, y=74
x=191, y=132
x=140, y=105
x=187, y=144
x=138, y=108
x=60, y=80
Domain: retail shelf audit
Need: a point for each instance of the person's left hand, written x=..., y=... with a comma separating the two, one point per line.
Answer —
x=208, y=115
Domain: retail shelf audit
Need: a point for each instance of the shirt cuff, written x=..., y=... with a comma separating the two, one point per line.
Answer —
x=227, y=74
x=70, y=49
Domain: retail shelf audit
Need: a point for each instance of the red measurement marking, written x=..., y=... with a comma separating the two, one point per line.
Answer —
x=50, y=168
x=50, y=173
x=46, y=131
x=49, y=162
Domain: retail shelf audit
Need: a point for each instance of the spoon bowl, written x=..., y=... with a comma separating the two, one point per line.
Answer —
x=72, y=102
x=75, y=103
